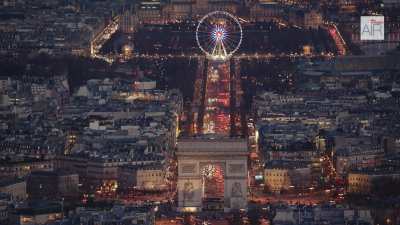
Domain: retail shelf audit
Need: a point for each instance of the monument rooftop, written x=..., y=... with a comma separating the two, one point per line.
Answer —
x=212, y=145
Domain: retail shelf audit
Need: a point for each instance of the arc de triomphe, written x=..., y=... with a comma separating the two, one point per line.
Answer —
x=195, y=154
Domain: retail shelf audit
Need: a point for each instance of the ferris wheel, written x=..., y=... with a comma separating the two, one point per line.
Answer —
x=219, y=35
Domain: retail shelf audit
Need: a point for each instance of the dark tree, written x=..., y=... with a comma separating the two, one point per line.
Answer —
x=187, y=220
x=386, y=187
x=236, y=219
x=254, y=216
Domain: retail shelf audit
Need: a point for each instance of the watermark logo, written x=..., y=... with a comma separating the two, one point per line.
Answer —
x=372, y=28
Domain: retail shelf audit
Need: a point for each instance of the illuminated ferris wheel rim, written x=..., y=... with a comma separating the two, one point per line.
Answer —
x=219, y=37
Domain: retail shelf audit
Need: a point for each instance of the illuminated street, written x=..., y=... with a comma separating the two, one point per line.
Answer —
x=101, y=38
x=217, y=99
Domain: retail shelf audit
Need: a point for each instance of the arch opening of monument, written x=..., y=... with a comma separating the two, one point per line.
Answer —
x=213, y=187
